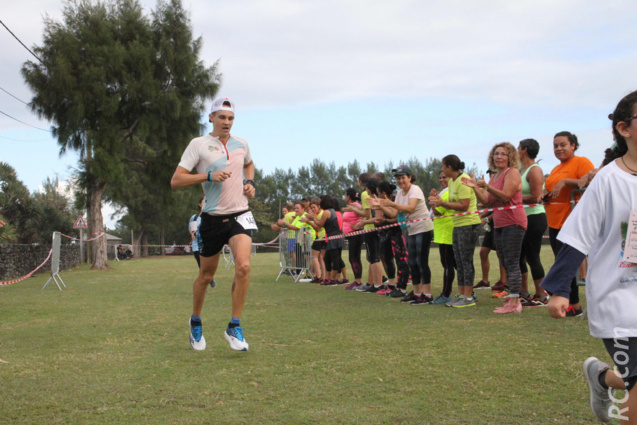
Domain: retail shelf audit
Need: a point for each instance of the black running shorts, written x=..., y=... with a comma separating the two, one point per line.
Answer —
x=216, y=231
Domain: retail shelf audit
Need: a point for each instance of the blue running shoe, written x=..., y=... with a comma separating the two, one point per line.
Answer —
x=441, y=299
x=235, y=337
x=197, y=341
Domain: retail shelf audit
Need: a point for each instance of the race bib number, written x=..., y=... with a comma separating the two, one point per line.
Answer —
x=630, y=247
x=246, y=220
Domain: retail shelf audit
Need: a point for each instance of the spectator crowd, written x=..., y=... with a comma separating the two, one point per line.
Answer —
x=521, y=205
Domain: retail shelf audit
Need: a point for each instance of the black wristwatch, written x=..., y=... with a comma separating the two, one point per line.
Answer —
x=245, y=182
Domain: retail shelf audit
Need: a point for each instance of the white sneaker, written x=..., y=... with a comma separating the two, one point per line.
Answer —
x=200, y=344
x=600, y=400
x=235, y=337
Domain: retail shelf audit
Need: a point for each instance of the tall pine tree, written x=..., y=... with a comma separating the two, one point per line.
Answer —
x=105, y=83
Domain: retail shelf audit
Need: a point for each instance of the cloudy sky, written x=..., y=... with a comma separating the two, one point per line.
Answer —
x=375, y=80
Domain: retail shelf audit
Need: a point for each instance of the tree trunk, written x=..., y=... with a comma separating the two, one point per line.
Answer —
x=137, y=244
x=96, y=224
x=145, y=242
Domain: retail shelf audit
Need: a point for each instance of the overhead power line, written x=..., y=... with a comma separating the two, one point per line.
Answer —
x=20, y=41
x=22, y=122
x=22, y=140
x=16, y=98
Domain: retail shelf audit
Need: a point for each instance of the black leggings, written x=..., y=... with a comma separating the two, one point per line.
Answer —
x=532, y=244
x=333, y=259
x=386, y=254
x=355, y=246
x=623, y=351
x=418, y=246
x=395, y=241
x=464, y=245
x=508, y=240
x=556, y=245
x=372, y=244
x=448, y=262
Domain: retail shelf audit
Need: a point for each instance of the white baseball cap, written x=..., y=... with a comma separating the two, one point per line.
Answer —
x=218, y=105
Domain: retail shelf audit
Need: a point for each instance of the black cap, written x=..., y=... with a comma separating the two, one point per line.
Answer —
x=402, y=170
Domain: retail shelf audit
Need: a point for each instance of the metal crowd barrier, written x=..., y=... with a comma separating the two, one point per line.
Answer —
x=295, y=253
x=228, y=256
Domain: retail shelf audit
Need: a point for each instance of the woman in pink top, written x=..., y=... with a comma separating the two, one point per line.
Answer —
x=505, y=190
x=355, y=242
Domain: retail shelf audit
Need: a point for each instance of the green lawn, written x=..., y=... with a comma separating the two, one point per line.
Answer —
x=112, y=348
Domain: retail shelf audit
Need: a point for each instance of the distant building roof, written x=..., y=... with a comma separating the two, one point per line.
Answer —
x=113, y=238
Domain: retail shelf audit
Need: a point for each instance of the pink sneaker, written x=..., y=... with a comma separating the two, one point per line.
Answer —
x=509, y=307
x=497, y=309
x=384, y=291
x=352, y=286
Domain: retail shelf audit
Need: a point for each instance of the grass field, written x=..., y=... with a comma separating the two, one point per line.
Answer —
x=112, y=348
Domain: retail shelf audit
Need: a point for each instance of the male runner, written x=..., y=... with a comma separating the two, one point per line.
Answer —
x=222, y=162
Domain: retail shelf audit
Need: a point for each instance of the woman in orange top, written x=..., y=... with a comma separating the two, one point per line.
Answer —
x=559, y=185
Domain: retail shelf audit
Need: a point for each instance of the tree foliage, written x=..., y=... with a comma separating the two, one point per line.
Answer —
x=124, y=90
x=16, y=206
x=32, y=218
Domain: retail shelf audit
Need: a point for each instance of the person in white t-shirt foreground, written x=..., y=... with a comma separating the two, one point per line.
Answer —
x=603, y=226
x=410, y=200
x=222, y=162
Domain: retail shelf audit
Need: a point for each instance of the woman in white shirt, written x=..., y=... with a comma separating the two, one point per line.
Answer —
x=603, y=226
x=410, y=201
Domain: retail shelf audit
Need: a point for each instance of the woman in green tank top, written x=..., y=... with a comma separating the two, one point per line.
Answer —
x=532, y=186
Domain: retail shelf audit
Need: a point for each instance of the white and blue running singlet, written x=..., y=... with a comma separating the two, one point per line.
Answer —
x=208, y=153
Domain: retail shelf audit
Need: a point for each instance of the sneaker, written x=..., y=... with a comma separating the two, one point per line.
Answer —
x=574, y=312
x=352, y=286
x=344, y=281
x=501, y=294
x=329, y=282
x=422, y=300
x=364, y=287
x=441, y=299
x=527, y=302
x=540, y=301
x=499, y=286
x=464, y=302
x=397, y=293
x=600, y=400
x=197, y=341
x=509, y=307
x=213, y=284
x=385, y=291
x=482, y=285
x=455, y=300
x=409, y=298
x=235, y=337
x=374, y=289
x=474, y=296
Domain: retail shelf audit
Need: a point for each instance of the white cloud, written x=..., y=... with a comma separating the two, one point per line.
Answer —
x=565, y=56
x=283, y=52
